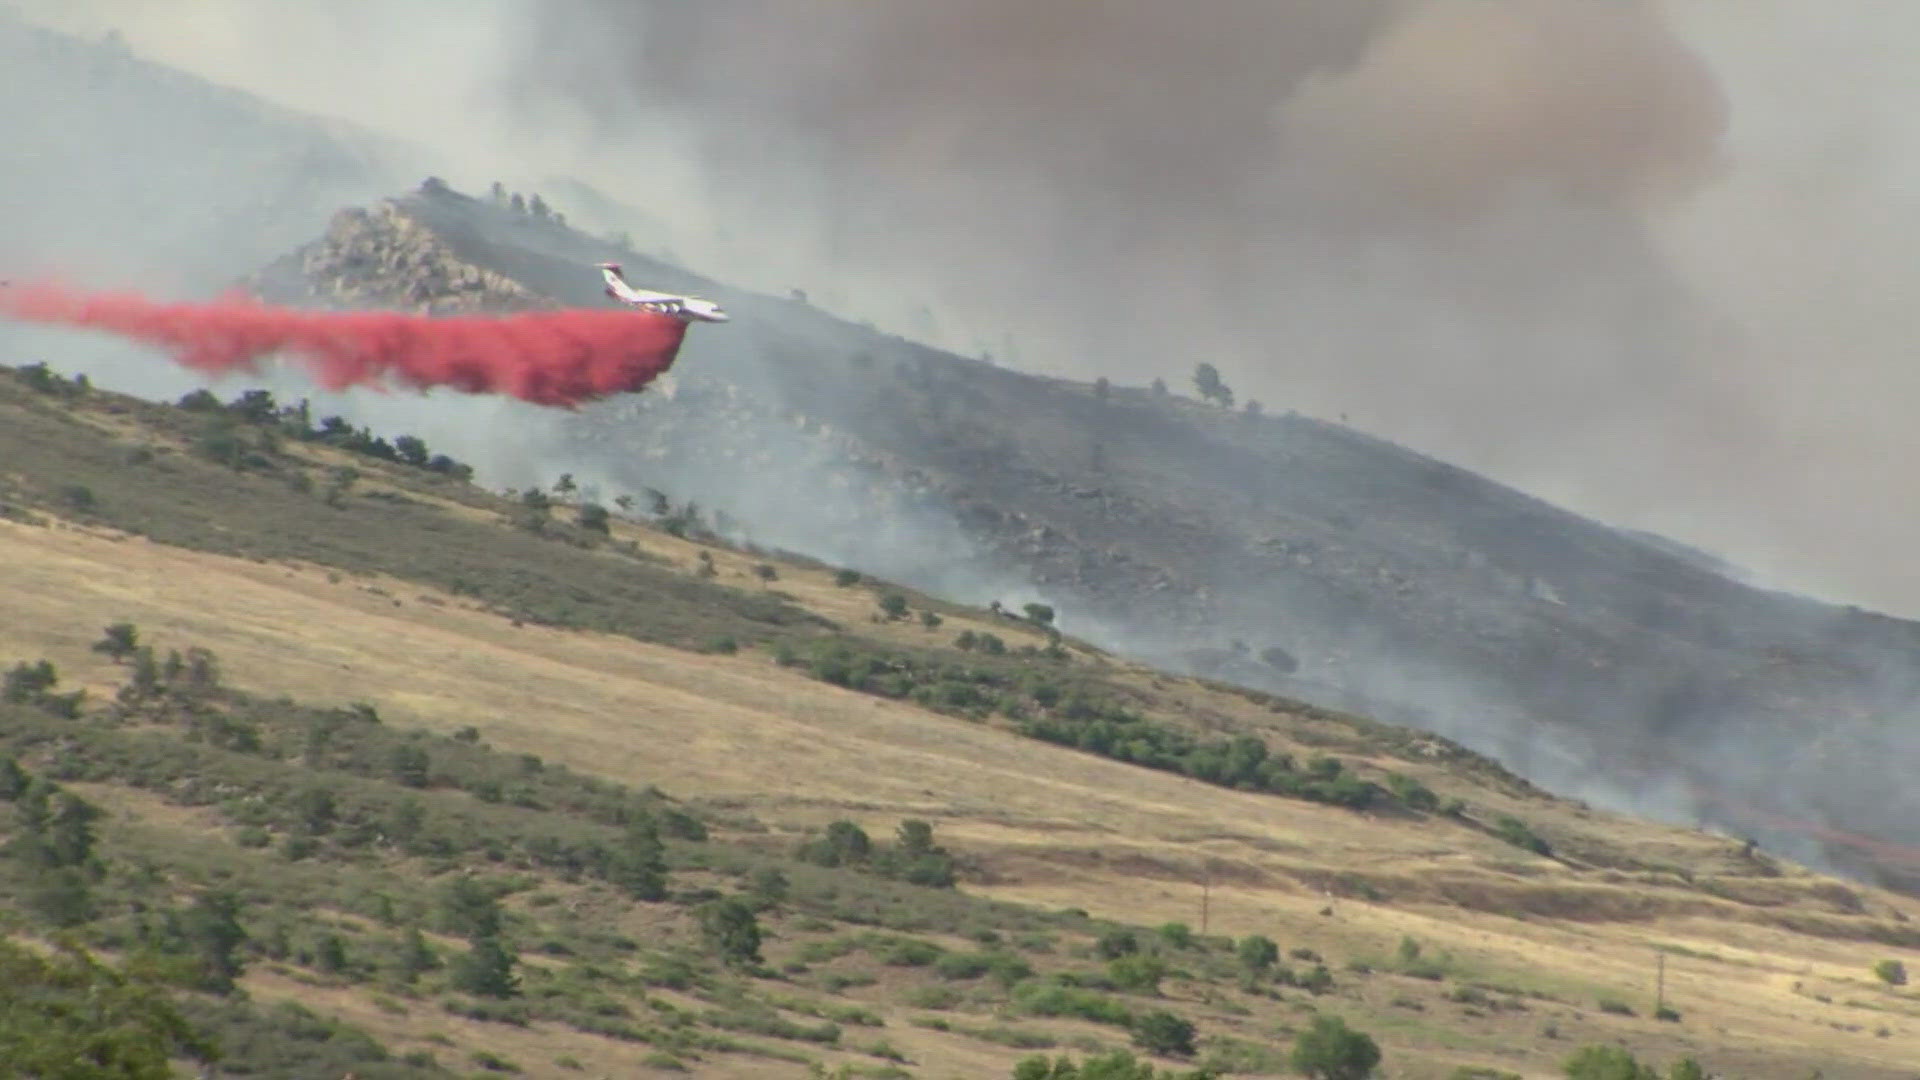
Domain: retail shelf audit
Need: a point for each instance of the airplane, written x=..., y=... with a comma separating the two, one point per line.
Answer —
x=684, y=308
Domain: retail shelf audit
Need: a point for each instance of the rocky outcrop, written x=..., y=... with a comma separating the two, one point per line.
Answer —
x=383, y=257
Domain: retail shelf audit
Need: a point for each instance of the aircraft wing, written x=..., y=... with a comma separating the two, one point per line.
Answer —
x=643, y=296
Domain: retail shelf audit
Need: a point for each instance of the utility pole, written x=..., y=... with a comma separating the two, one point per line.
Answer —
x=1660, y=985
x=1206, y=896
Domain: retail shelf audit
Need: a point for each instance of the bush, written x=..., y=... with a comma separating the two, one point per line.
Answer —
x=961, y=966
x=1329, y=1050
x=1118, y=1065
x=912, y=952
x=1414, y=794
x=1047, y=999
x=1115, y=944
x=1138, y=973
x=1891, y=972
x=486, y=970
x=1516, y=832
x=731, y=931
x=1161, y=1032
x=1607, y=1063
x=119, y=641
x=1258, y=953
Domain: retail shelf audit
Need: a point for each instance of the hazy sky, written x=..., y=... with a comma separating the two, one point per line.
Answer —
x=1643, y=257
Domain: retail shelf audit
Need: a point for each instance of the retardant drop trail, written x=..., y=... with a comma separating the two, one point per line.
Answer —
x=546, y=357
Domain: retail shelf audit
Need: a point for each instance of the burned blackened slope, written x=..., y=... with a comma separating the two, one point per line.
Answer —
x=1278, y=550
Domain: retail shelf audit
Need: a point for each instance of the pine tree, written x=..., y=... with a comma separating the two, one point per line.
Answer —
x=415, y=957
x=118, y=642
x=639, y=864
x=486, y=970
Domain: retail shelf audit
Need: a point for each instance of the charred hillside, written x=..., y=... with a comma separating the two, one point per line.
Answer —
x=1274, y=550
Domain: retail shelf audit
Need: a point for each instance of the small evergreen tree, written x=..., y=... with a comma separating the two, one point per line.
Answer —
x=1607, y=1063
x=415, y=957
x=144, y=682
x=1161, y=1032
x=1686, y=1069
x=1329, y=1050
x=1258, y=954
x=330, y=953
x=730, y=930
x=410, y=765
x=13, y=779
x=61, y=897
x=412, y=450
x=211, y=928
x=469, y=908
x=25, y=683
x=486, y=970
x=119, y=641
x=1206, y=379
x=69, y=831
x=639, y=864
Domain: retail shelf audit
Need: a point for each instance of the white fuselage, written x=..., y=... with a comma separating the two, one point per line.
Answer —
x=686, y=308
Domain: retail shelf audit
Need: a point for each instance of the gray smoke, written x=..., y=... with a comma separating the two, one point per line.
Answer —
x=1638, y=257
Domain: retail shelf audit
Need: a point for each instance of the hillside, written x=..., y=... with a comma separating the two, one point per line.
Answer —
x=367, y=681
x=1268, y=549
x=136, y=171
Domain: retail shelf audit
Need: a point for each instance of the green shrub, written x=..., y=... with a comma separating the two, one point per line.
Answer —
x=1161, y=1032
x=961, y=966
x=1052, y=999
x=1516, y=832
x=1329, y=1050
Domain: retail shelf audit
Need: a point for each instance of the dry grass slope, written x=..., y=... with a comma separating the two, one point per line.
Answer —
x=1769, y=966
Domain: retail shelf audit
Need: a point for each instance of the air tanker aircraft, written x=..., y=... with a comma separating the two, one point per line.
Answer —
x=684, y=308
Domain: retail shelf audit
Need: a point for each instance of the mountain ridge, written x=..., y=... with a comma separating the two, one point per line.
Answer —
x=1373, y=576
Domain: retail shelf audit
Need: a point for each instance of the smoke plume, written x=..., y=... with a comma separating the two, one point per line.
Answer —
x=546, y=357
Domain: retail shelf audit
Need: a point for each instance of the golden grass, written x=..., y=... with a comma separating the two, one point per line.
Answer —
x=1050, y=826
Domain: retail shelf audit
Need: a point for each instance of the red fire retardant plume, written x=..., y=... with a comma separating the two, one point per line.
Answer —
x=546, y=357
